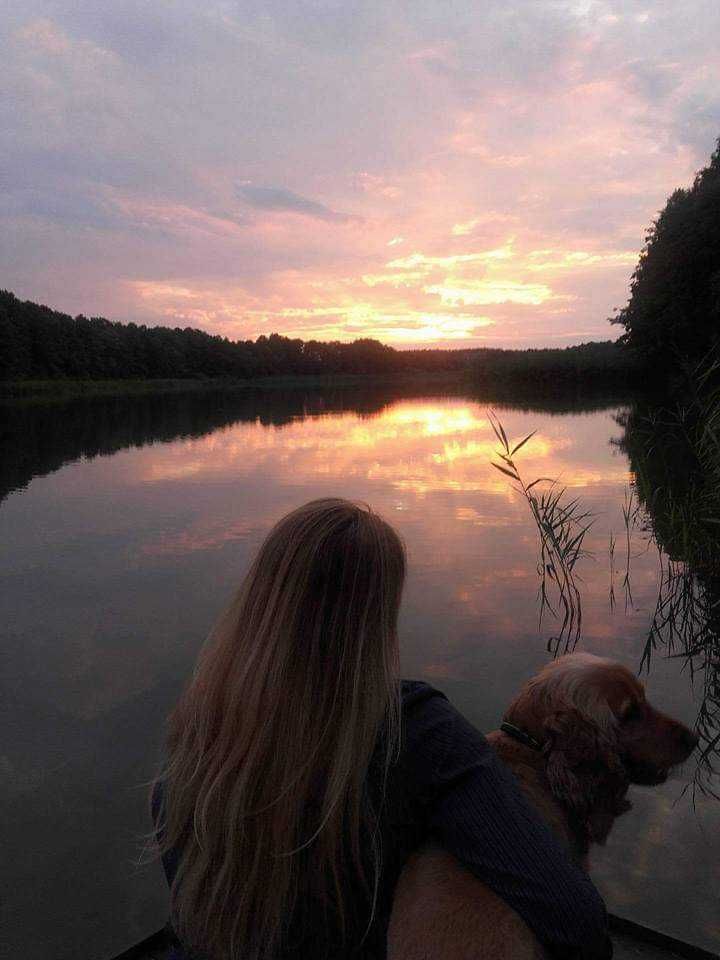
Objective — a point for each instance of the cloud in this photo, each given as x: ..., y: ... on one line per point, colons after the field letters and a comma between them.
x: 485, y: 292
x: 463, y: 229
x: 58, y: 207
x: 277, y: 198
x: 427, y: 263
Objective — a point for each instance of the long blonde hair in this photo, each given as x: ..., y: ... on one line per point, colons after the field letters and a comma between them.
x: 293, y: 696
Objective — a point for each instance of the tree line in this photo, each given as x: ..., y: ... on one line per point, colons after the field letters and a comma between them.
x: 39, y: 343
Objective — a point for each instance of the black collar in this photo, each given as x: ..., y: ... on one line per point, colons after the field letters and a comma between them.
x: 520, y: 735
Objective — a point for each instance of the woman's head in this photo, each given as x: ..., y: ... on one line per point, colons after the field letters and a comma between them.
x: 324, y: 592
x: 270, y: 746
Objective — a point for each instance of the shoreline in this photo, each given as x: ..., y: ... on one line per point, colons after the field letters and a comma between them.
x: 13, y: 390
x: 467, y: 379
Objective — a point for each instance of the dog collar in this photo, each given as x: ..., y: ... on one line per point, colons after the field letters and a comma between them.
x: 520, y: 735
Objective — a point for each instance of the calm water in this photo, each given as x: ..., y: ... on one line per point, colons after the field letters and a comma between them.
x: 125, y: 526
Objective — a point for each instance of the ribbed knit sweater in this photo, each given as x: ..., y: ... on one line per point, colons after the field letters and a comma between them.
x: 448, y: 784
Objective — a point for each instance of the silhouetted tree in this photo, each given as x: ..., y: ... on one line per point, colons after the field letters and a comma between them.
x: 673, y: 314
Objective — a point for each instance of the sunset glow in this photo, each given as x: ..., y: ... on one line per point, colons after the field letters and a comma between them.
x: 415, y: 447
x: 350, y: 170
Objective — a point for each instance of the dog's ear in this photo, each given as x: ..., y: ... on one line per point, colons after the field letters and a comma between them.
x: 585, y: 772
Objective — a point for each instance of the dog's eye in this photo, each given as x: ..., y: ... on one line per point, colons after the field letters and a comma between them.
x: 633, y: 712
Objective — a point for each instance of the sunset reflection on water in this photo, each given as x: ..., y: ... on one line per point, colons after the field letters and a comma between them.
x: 119, y: 564
x: 204, y: 504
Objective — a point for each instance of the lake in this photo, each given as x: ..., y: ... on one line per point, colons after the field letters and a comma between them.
x: 125, y: 526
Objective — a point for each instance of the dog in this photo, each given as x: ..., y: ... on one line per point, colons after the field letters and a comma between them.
x: 576, y: 736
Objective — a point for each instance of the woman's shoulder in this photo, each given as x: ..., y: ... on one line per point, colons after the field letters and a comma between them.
x: 433, y: 729
x: 422, y: 700
x: 418, y: 691
x: 440, y: 746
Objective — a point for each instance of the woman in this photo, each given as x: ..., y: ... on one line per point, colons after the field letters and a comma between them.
x: 301, y: 772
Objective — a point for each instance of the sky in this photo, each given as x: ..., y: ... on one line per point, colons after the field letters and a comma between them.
x: 439, y: 173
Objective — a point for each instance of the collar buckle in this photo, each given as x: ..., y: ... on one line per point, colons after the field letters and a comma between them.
x: 522, y: 736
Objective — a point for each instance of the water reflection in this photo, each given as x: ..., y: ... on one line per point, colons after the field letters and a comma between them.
x: 677, y: 483
x: 137, y: 526
x: 38, y: 438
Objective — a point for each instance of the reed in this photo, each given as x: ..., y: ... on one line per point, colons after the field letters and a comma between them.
x: 611, y: 555
x: 561, y: 525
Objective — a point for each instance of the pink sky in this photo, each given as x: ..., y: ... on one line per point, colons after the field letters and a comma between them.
x: 426, y: 173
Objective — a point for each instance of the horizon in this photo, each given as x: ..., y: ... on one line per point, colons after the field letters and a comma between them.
x: 337, y: 170
x: 402, y: 347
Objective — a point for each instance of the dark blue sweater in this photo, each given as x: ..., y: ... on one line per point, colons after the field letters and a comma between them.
x: 449, y: 784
